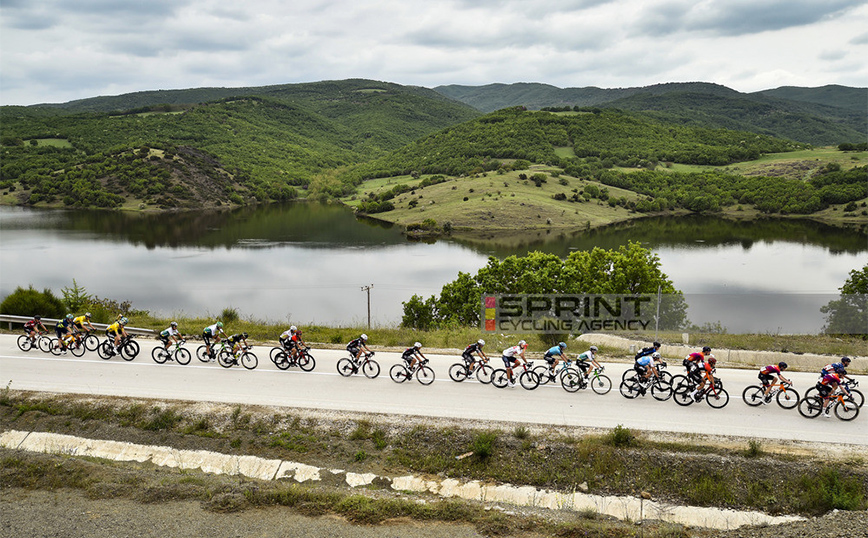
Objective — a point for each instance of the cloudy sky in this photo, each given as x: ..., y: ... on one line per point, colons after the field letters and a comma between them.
x: 60, y: 50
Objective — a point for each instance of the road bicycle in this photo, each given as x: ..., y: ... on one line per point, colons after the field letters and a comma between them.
x: 71, y: 342
x: 174, y: 352
x: 227, y: 358
x: 600, y: 383
x: 636, y: 385
x: 528, y: 379
x: 786, y: 396
x: 402, y: 372
x: 714, y: 393
x: 89, y: 339
x: 204, y: 355
x: 661, y: 372
x: 547, y: 375
x: 303, y: 359
x: 128, y: 348
x: 843, y: 406
x: 41, y: 341
x: 460, y: 371
x: 856, y: 394
x: 350, y: 365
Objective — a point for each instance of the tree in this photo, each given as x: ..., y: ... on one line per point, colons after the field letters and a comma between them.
x: 29, y: 302
x: 849, y: 314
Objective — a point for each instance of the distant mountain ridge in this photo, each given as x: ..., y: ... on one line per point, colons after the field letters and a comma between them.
x: 827, y: 115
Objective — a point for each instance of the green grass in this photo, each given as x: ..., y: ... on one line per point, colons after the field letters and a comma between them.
x: 53, y: 142
x: 800, y: 164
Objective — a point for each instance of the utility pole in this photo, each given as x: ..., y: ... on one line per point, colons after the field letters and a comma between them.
x: 368, y: 289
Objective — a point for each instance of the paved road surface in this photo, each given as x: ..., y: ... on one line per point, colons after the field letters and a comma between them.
x: 325, y: 389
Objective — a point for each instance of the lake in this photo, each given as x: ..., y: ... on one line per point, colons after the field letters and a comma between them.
x: 307, y: 263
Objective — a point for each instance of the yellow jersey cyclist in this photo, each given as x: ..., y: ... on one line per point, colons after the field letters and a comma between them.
x: 212, y: 332
x: 236, y: 340
x: 81, y: 321
x: 116, y: 330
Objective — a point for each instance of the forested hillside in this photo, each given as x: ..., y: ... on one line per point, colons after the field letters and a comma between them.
x: 829, y: 115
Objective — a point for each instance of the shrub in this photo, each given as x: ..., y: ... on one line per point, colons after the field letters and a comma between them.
x: 229, y: 315
x: 29, y: 302
x: 622, y: 437
x: 483, y: 445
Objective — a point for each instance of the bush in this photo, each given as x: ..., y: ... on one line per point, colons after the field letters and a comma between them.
x: 622, y: 437
x: 483, y: 445
x: 229, y: 315
x: 29, y: 302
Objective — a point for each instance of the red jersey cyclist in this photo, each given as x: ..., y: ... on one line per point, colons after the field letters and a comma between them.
x: 34, y: 325
x: 706, y: 370
x: 826, y: 386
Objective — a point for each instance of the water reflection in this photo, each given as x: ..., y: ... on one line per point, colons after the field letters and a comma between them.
x: 307, y: 262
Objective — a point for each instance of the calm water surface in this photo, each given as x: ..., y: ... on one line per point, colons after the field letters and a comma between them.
x: 306, y: 263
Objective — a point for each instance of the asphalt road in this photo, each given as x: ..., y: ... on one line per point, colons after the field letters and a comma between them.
x: 323, y: 388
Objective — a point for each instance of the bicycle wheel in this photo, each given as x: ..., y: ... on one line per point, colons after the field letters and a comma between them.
x: 857, y: 397
x: 24, y: 343
x: 666, y: 377
x: 601, y: 384
x: 544, y: 373
x: 55, y: 347
x: 249, y: 360
x: 274, y: 352
x: 458, y: 372
x: 717, y: 399
x: 681, y: 390
x: 529, y: 379
x: 847, y: 409
x: 571, y: 381
x: 399, y: 373
x: 345, y: 367
x: 425, y: 375
x: 753, y: 395
x: 105, y: 350
x: 629, y: 388
x: 483, y: 373
x: 281, y: 360
x: 202, y: 354
x: 160, y: 355
x: 788, y: 399
x: 128, y: 353
x: 225, y: 359
x: 306, y: 362
x: 630, y: 372
x: 91, y: 342
x: 499, y: 378
x: 77, y: 349
x: 811, y: 407
x: 371, y: 368
x: 661, y: 390
x: 182, y: 356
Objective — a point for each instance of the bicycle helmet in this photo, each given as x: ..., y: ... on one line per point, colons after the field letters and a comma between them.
x: 593, y: 348
x: 418, y: 345
x: 782, y: 365
x: 562, y: 345
x: 655, y: 356
x: 711, y: 360
x: 219, y: 324
x: 244, y: 336
x: 706, y: 349
x: 522, y: 343
x: 481, y: 342
x: 293, y: 328
x: 298, y: 331
x: 174, y: 324
x: 69, y: 316
x: 656, y: 344
x: 123, y: 321
x: 845, y: 360
x: 37, y: 317
x: 87, y: 315
x: 365, y: 337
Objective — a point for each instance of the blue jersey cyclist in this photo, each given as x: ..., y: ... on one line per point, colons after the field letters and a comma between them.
x: 61, y: 329
x: 837, y: 368
x: 555, y: 354
x: 645, y: 365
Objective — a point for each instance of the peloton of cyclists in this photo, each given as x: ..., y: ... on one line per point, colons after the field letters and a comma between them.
x: 355, y: 346
x: 467, y: 354
x: 34, y: 325
x: 767, y: 376
x: 511, y: 356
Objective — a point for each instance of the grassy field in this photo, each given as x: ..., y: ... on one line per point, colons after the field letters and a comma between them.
x: 796, y: 164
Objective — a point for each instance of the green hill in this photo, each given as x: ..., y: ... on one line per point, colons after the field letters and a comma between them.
x: 829, y: 115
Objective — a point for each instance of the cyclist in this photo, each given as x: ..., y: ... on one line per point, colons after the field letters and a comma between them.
x: 694, y: 363
x: 511, y: 356
x: 655, y: 347
x: 236, y: 340
x: 212, y: 331
x: 286, y: 338
x: 826, y: 386
x: 413, y: 355
x: 645, y: 366
x: 61, y: 329
x: 355, y: 346
x: 170, y: 334
x: 475, y: 347
x: 767, y: 375
x: 555, y: 354
x: 115, y: 331
x: 589, y: 355
x: 837, y: 367
x: 297, y: 343
x: 81, y: 321
x: 34, y: 325
x: 706, y: 370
